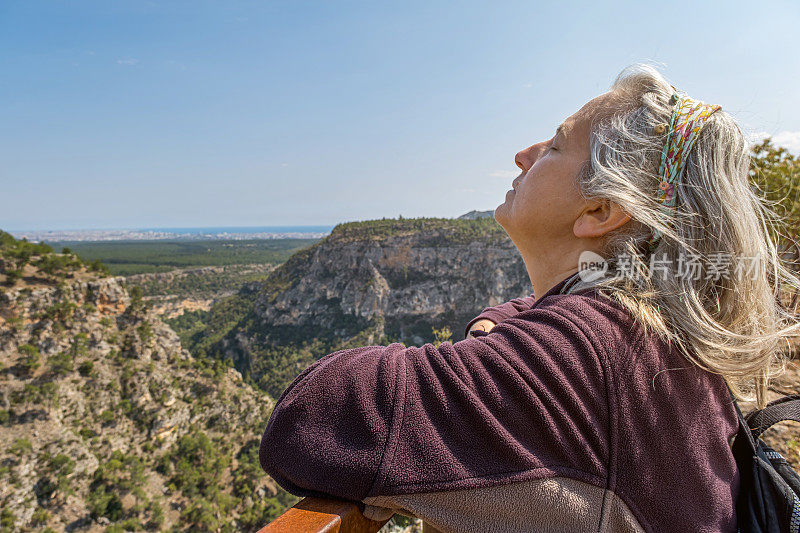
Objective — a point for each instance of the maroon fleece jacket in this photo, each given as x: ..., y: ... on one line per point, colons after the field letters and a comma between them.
x: 568, y: 386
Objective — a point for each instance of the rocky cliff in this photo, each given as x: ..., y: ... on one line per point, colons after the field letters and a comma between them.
x: 439, y: 273
x: 106, y: 421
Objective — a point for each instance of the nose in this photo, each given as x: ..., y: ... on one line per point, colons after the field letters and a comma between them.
x: 527, y: 157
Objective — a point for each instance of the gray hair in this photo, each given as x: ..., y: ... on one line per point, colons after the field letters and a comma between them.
x: 734, y: 325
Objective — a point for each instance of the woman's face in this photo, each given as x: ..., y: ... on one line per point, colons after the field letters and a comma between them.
x: 544, y: 203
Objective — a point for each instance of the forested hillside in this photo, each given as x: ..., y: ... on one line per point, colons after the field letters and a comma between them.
x: 108, y: 423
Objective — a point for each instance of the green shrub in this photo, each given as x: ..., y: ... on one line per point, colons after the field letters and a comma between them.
x: 61, y: 363
x: 62, y: 465
x: 145, y: 332
x: 201, y: 515
x: 54, y: 264
x: 7, y: 519
x: 15, y: 323
x: 40, y: 517
x: 60, y: 312
x: 28, y: 349
x: 116, y: 476
x: 248, y: 472
x: 12, y: 276
x: 125, y: 406
x: 198, y: 465
x: 48, y: 391
x: 137, y: 302
x: 130, y: 524
x: 106, y: 417
x: 30, y: 393
x: 98, y: 266
x: 85, y: 368
x: 21, y: 445
x: 79, y: 346
x: 30, y: 357
x: 261, y: 512
x: 156, y: 516
x: 103, y: 501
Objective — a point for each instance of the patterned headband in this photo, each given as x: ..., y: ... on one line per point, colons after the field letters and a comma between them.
x: 688, y: 117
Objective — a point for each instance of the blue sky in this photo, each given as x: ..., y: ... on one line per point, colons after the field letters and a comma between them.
x: 214, y: 113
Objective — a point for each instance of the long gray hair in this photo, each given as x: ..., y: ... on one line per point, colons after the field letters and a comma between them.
x: 730, y: 321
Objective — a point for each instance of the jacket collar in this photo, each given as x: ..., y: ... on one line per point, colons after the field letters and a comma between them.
x: 571, y: 284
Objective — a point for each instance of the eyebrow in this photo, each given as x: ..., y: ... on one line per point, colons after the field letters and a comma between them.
x: 560, y: 130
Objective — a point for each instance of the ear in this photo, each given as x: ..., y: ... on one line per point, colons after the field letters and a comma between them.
x: 599, y: 218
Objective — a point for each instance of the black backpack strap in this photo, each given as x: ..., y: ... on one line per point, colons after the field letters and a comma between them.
x: 744, y: 445
x: 786, y: 408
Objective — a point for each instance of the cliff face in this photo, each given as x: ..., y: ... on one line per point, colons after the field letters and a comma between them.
x: 106, y: 420
x: 376, y: 282
x: 405, y: 280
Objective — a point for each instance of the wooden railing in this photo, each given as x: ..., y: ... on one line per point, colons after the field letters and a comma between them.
x: 318, y: 515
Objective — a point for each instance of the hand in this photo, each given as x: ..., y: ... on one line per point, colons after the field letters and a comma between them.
x: 483, y: 325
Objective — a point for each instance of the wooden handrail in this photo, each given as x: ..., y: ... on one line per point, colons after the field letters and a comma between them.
x: 320, y: 515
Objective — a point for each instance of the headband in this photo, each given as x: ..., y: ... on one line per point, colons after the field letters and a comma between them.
x: 688, y: 117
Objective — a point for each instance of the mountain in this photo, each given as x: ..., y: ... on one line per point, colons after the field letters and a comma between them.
x: 477, y: 214
x: 107, y: 421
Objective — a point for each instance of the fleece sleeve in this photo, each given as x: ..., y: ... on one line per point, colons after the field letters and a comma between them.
x: 525, y: 401
x: 498, y: 313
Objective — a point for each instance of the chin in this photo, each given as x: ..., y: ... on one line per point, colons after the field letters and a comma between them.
x: 499, y: 213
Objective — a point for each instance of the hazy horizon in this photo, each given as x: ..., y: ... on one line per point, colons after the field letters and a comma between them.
x: 195, y: 229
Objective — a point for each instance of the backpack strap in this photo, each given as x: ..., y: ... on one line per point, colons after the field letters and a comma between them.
x: 786, y: 408
x: 744, y: 445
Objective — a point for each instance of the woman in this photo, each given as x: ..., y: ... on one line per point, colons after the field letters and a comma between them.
x: 602, y: 404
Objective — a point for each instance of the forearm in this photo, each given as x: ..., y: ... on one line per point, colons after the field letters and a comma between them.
x: 483, y: 324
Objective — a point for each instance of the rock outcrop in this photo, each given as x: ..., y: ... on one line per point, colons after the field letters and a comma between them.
x: 409, y: 280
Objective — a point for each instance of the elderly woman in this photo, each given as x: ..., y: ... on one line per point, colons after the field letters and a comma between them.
x: 601, y: 403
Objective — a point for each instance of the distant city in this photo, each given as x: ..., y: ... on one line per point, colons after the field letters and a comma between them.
x: 184, y: 234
